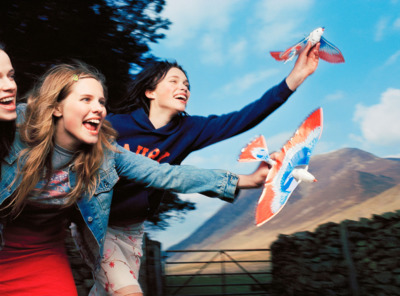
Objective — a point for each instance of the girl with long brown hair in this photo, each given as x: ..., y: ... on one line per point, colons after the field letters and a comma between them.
x: 62, y: 167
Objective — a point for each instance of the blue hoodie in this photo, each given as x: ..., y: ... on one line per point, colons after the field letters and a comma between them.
x: 173, y: 142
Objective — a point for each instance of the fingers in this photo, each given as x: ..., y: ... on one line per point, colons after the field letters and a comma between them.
x: 305, y: 51
x: 311, y: 49
x: 316, y: 50
x: 274, y: 155
x: 262, y: 173
x: 308, y: 46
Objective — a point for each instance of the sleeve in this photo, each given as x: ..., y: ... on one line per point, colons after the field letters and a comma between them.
x: 21, y: 110
x: 217, y: 128
x: 176, y: 178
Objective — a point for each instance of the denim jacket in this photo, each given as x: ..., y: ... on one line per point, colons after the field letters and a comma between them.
x: 94, y: 210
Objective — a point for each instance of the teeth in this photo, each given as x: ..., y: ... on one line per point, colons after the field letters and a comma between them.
x: 7, y: 100
x: 181, y: 97
x: 95, y: 121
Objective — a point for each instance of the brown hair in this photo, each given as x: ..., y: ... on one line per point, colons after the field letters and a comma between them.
x: 38, y: 132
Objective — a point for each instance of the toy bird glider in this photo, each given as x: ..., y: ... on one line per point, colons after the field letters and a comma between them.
x: 327, y: 51
x: 289, y: 165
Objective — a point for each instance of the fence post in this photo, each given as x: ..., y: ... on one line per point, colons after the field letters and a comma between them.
x: 223, y: 273
x: 151, y: 275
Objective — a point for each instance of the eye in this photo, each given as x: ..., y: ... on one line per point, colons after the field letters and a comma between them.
x: 86, y: 99
x: 11, y: 75
x: 102, y: 102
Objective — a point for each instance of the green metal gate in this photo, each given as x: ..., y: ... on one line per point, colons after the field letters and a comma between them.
x: 219, y: 272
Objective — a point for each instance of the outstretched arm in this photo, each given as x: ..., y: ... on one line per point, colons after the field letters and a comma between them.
x: 306, y: 64
x: 185, y: 178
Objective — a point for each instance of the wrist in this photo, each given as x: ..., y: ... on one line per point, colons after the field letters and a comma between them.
x: 244, y: 182
x: 240, y: 181
x: 294, y: 80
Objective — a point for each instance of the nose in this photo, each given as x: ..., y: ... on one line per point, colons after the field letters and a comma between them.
x: 184, y: 86
x: 8, y: 85
x: 98, y: 107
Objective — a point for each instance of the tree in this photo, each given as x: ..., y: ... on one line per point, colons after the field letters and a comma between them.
x: 110, y: 35
x: 113, y: 36
x: 171, y: 207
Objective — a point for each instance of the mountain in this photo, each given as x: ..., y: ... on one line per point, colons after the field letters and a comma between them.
x: 351, y: 184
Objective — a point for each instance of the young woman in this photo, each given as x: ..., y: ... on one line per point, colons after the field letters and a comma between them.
x: 8, y: 114
x: 154, y: 124
x: 63, y: 166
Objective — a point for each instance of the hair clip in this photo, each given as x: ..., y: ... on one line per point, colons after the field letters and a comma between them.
x: 75, y: 77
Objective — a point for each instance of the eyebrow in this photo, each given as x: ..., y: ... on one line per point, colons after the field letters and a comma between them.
x: 176, y: 76
x: 90, y: 95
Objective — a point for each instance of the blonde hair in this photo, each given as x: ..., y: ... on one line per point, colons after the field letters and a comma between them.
x: 38, y: 132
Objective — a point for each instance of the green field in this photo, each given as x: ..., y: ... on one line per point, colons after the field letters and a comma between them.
x: 213, y: 285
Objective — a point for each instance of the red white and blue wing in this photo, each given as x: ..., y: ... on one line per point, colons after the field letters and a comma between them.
x: 291, y: 52
x: 329, y: 52
x: 296, y: 152
x: 256, y: 150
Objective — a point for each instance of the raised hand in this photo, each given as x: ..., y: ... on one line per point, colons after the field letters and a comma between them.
x: 306, y: 64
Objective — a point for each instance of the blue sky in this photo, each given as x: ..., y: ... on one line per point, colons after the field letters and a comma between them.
x: 224, y: 47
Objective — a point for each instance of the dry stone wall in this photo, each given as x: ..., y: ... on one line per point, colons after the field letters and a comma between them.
x: 351, y: 258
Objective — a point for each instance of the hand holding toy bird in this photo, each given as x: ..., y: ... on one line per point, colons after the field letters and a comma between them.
x: 289, y: 165
x: 327, y: 51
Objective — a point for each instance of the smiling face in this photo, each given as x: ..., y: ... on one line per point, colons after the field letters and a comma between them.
x: 8, y: 89
x: 80, y: 115
x: 171, y: 94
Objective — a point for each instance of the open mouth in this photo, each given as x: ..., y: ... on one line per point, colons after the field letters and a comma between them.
x: 181, y: 98
x: 9, y: 102
x: 92, y: 125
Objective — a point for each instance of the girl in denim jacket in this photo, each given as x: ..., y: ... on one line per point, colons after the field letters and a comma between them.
x: 62, y: 167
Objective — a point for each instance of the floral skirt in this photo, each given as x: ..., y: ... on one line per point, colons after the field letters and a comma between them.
x: 121, y: 261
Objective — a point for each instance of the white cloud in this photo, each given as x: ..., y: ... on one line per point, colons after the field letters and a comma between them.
x: 212, y: 49
x: 244, y: 83
x: 392, y: 59
x: 192, y: 17
x: 273, y: 11
x: 380, y: 123
x: 208, y: 25
x: 278, y: 22
x: 380, y: 28
x: 237, y: 51
x: 214, y: 160
x: 276, y: 142
x: 323, y: 147
x: 334, y: 97
x: 392, y: 156
x: 284, y: 35
x: 396, y: 24
x: 205, y: 24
